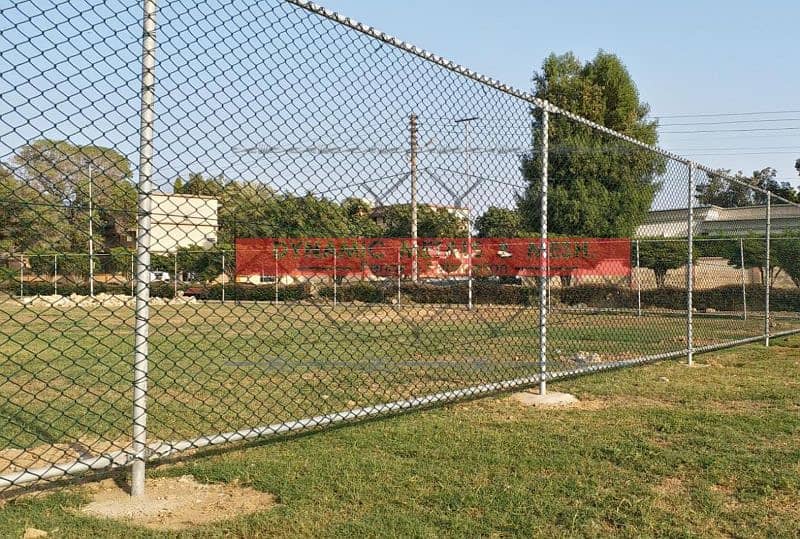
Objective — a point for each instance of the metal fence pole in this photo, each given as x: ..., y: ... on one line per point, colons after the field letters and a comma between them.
x: 744, y: 276
x: 224, y: 276
x: 413, y: 166
x: 638, y: 283
x: 277, y: 279
x: 767, y: 270
x: 469, y: 259
x: 335, y: 288
x: 690, y: 269
x: 55, y: 275
x: 142, y: 312
x: 544, y: 261
x: 133, y: 274
x: 21, y: 275
x: 91, y: 237
x: 175, y: 275
x: 399, y: 276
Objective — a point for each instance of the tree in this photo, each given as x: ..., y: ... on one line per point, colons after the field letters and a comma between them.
x: 119, y: 262
x: 254, y: 210
x: 432, y: 222
x: 499, y: 223
x: 27, y: 219
x: 662, y: 255
x: 206, y: 264
x: 766, y: 179
x: 199, y: 185
x: 754, y: 250
x: 720, y: 191
x: 786, y: 249
x: 57, y: 174
x: 599, y: 186
x: 359, y: 214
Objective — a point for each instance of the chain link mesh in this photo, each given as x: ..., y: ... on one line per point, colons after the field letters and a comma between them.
x: 340, y: 226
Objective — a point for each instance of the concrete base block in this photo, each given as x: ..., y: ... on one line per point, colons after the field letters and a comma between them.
x: 551, y: 399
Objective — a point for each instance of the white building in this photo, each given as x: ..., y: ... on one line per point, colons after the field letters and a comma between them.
x: 716, y: 221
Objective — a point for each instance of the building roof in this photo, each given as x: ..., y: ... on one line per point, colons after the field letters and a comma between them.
x: 717, y: 220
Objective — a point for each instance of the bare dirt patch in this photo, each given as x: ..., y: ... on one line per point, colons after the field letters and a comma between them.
x: 175, y: 503
x: 46, y: 455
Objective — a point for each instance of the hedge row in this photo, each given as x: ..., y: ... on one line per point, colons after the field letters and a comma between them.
x: 250, y: 292
x: 722, y: 298
x: 157, y: 290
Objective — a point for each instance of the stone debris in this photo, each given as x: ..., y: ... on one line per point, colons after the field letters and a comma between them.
x: 33, y: 533
x: 585, y: 358
x: 99, y: 300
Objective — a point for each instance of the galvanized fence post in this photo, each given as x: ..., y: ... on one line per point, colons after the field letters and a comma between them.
x: 744, y: 277
x: 767, y: 270
x: 413, y: 166
x: 277, y: 277
x: 335, y: 288
x: 638, y: 283
x: 690, y: 269
x: 399, y: 277
x: 224, y: 277
x: 142, y: 312
x: 544, y: 261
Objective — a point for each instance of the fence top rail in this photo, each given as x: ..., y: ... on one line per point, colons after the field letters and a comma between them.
x: 497, y: 85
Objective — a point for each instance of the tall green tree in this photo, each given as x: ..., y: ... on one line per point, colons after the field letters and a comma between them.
x: 499, y: 223
x: 719, y: 191
x: 599, y: 186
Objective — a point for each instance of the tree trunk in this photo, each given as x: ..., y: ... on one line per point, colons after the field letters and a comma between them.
x: 661, y: 277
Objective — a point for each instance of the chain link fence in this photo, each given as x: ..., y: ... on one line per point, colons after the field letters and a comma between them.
x: 263, y: 217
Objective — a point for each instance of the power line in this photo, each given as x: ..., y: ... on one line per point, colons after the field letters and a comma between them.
x: 720, y: 114
x: 734, y: 122
x: 737, y: 130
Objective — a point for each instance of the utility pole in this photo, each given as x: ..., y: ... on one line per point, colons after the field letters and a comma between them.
x: 91, y: 237
x: 413, y: 164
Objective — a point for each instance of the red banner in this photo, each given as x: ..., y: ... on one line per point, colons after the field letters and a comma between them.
x: 437, y: 257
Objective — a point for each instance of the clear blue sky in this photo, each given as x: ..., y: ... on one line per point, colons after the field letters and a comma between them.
x: 687, y: 57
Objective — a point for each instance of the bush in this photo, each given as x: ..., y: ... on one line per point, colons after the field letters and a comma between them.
x: 251, y: 292
x: 483, y: 292
x: 365, y: 292
x: 722, y: 298
x: 43, y: 288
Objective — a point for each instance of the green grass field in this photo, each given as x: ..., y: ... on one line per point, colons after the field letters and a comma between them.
x: 216, y: 368
x: 711, y: 452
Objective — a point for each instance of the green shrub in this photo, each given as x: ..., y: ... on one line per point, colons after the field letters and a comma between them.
x: 251, y: 292
x: 365, y: 292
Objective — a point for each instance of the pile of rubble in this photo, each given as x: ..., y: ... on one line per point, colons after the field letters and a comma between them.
x: 99, y: 300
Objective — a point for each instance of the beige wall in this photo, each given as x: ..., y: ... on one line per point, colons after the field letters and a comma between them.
x: 182, y: 221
